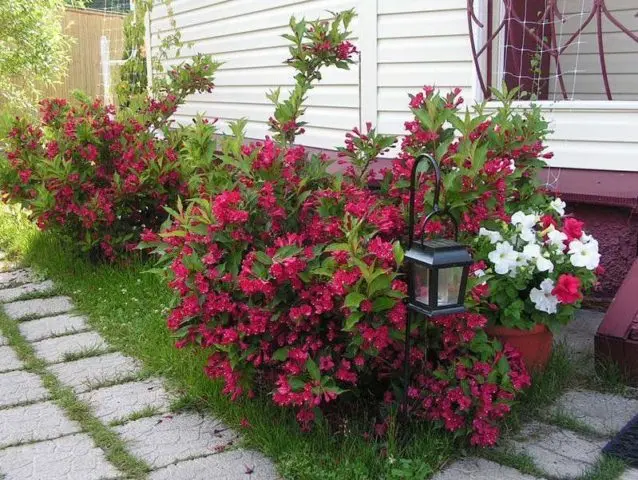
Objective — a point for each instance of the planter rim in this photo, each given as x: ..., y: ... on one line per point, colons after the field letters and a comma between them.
x: 515, y: 332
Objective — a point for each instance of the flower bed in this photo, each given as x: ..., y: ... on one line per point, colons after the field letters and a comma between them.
x: 290, y: 277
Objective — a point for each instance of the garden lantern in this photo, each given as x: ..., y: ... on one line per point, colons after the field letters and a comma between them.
x: 437, y: 276
x: 437, y: 269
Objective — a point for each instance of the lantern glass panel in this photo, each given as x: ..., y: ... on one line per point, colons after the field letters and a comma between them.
x: 449, y: 285
x: 421, y: 279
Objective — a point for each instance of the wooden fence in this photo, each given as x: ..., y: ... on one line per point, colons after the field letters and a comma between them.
x: 86, y: 27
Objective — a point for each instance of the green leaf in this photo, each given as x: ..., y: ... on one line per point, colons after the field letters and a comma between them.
x: 352, y: 321
x: 383, y: 303
x: 380, y: 283
x: 296, y: 383
x: 354, y: 299
x: 398, y: 252
x: 263, y: 258
x: 313, y: 369
x: 281, y: 354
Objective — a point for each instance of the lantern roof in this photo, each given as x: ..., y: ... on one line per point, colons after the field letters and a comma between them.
x: 439, y: 251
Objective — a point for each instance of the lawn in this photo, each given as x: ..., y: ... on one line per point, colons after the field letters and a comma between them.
x: 127, y: 305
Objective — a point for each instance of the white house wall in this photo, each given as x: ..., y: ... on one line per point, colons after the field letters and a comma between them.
x: 405, y: 45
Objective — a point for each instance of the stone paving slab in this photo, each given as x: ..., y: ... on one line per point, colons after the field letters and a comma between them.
x: 121, y: 401
x: 9, y: 360
x: 558, y: 452
x: 230, y: 465
x: 17, y: 277
x: 579, y: 334
x: 74, y: 457
x: 629, y: 474
x: 53, y: 350
x: 479, y: 469
x: 83, y: 375
x: 162, y: 440
x: 11, y: 294
x: 38, y: 307
x: 20, y: 387
x: 40, y: 421
x: 604, y: 412
x: 35, y: 330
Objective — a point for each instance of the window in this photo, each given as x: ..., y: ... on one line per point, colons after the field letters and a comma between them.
x: 557, y: 49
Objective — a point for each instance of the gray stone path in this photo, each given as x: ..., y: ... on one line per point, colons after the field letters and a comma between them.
x: 37, y: 439
x: 560, y: 453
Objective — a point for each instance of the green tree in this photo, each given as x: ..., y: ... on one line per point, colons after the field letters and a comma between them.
x: 33, y: 50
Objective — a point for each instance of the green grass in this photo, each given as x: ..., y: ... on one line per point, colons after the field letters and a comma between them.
x: 128, y: 307
x: 607, y: 468
x: 105, y: 438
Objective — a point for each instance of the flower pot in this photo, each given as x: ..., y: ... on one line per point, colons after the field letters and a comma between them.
x: 535, y: 345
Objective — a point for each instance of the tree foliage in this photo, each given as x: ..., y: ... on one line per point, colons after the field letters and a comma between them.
x: 33, y: 50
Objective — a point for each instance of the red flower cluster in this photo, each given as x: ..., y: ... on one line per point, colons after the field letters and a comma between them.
x: 473, y: 384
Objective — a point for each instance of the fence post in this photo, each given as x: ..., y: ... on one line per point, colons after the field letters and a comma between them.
x: 105, y: 59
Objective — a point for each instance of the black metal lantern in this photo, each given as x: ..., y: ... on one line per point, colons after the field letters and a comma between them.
x: 437, y: 269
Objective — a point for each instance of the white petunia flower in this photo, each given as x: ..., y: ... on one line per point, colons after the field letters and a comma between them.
x: 557, y: 239
x: 542, y: 297
x: 528, y: 235
x: 494, y: 236
x: 558, y: 205
x: 526, y: 222
x: 532, y: 253
x: 504, y: 257
x: 584, y: 254
x: 512, y: 165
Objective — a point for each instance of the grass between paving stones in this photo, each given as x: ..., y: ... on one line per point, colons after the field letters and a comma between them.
x: 128, y: 307
x: 103, y: 437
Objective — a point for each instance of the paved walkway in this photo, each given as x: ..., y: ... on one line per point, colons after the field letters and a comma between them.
x: 38, y: 440
x: 559, y: 452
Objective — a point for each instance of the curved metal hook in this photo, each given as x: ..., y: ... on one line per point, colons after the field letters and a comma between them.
x: 436, y: 209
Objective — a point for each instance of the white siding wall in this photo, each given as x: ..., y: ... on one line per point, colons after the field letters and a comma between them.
x: 246, y: 36
x: 406, y: 44
x: 420, y: 42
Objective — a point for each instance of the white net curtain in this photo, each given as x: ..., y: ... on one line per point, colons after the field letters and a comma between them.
x: 557, y: 49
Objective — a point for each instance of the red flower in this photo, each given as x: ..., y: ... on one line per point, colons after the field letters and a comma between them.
x: 573, y: 229
x: 567, y: 289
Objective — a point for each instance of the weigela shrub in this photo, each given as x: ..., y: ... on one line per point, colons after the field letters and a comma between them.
x: 488, y: 160
x: 535, y: 268
x: 291, y: 277
x: 99, y: 176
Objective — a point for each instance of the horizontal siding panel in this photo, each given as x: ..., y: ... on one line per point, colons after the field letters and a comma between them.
x: 423, y: 24
x: 574, y: 21
x: 221, y: 9
x: 281, y: 75
x: 392, y: 122
x: 407, y: 75
x: 593, y: 155
x: 608, y: 127
x: 246, y: 41
x: 583, y: 83
x: 618, y: 42
x: 321, y: 96
x: 424, y: 49
x: 590, y: 63
x: 408, y: 6
x: 210, y: 22
x: 328, y: 117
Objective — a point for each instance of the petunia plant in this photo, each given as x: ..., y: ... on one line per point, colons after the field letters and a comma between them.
x: 534, y: 269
